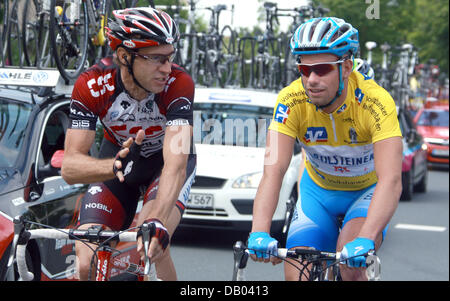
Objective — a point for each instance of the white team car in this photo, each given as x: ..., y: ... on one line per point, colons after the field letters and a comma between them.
x: 230, y: 128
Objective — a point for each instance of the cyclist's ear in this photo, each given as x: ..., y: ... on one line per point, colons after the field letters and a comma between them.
x: 347, y: 68
x: 122, y: 55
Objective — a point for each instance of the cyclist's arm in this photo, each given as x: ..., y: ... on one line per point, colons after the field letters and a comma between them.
x: 78, y: 166
x: 278, y: 155
x: 179, y: 98
x: 388, y: 166
x: 176, y: 149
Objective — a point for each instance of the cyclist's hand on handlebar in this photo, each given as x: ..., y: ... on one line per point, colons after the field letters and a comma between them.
x: 261, y: 245
x: 127, y: 158
x: 159, y: 240
x: 360, y: 245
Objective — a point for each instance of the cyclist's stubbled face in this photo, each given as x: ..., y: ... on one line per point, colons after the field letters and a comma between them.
x: 321, y: 89
x: 150, y: 72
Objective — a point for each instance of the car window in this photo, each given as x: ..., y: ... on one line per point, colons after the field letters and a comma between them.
x: 433, y: 118
x: 14, y: 118
x: 231, y: 124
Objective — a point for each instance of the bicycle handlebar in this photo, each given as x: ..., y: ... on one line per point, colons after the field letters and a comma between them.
x: 241, y: 254
x: 22, y: 237
x: 286, y: 253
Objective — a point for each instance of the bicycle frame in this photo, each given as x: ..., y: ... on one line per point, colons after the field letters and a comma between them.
x: 103, y: 264
x: 106, y: 262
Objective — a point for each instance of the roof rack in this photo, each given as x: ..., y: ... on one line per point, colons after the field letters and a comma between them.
x: 44, y: 78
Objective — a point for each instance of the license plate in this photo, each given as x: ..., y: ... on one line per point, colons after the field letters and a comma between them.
x: 440, y: 152
x: 200, y: 200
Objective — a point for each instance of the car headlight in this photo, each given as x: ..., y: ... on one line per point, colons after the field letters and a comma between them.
x: 248, y: 181
x: 434, y: 140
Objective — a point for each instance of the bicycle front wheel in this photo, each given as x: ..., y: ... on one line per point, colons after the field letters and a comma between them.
x: 246, y: 55
x: 13, y: 46
x: 227, y: 59
x: 69, y: 37
x: 36, y: 35
x: 4, y: 19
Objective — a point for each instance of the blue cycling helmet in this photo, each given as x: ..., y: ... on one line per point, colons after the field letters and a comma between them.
x: 325, y: 35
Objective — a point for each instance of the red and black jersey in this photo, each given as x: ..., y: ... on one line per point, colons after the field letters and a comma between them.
x: 99, y: 93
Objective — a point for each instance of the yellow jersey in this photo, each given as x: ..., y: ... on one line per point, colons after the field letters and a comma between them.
x: 339, y: 145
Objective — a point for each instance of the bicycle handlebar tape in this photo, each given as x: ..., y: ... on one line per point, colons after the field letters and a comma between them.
x: 129, y: 164
x: 22, y: 267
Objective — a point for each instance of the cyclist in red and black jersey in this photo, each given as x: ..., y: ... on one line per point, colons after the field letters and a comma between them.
x: 144, y: 102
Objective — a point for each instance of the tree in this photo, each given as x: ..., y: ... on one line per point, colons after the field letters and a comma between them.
x: 430, y: 34
x: 423, y: 23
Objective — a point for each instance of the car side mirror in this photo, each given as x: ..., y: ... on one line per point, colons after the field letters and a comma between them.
x: 57, y: 158
x: 53, y: 168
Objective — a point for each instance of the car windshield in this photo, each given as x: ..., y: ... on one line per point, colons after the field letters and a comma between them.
x: 231, y: 124
x: 433, y: 118
x: 14, y: 118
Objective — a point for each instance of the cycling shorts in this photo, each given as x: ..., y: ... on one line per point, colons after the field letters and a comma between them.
x: 318, y: 212
x: 113, y: 204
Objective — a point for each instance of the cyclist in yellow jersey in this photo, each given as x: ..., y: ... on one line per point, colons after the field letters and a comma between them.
x: 348, y: 128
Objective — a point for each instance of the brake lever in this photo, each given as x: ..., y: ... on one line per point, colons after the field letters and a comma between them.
x: 241, y: 255
x: 373, y: 263
x: 145, y: 228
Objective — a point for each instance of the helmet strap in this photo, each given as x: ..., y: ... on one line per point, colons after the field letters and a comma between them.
x: 130, y: 70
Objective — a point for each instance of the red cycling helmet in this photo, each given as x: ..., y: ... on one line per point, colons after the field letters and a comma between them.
x: 140, y: 27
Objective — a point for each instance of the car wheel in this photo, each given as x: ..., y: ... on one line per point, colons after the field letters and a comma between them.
x: 408, y: 185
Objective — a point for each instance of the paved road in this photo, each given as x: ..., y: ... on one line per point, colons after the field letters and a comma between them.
x: 417, y: 247
x: 411, y: 251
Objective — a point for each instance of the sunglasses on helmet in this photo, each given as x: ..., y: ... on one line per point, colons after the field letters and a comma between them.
x: 321, y: 69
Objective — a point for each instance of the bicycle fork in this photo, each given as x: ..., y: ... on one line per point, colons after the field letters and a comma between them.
x: 103, y: 263
x: 98, y: 38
